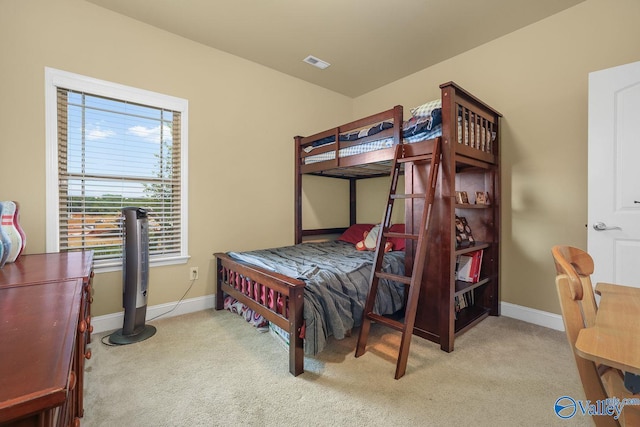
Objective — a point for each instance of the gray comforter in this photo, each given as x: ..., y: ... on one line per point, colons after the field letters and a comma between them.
x: 337, y: 282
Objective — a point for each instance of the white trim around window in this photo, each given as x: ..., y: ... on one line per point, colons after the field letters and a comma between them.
x: 55, y: 79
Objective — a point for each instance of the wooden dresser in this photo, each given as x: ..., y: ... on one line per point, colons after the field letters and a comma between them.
x: 45, y: 329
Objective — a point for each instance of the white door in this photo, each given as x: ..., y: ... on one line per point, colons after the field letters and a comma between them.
x: 614, y: 174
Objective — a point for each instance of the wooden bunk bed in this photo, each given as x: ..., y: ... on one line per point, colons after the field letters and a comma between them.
x: 469, y: 132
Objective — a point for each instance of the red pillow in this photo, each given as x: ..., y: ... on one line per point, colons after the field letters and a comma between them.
x: 398, y: 244
x: 355, y: 233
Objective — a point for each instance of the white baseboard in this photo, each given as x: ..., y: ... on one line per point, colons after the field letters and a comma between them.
x: 113, y: 321
x: 531, y: 315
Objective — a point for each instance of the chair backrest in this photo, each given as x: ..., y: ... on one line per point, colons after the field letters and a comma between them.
x: 578, y: 266
x: 570, y: 293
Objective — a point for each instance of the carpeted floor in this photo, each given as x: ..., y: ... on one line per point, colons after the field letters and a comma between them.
x: 213, y: 369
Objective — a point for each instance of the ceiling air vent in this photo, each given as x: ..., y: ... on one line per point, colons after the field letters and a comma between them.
x: 316, y: 62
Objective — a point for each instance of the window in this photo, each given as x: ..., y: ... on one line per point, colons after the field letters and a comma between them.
x: 110, y: 146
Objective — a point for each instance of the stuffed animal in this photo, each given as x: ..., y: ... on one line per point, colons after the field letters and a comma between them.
x: 370, y: 239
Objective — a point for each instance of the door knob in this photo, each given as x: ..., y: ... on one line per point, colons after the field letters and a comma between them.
x: 601, y: 226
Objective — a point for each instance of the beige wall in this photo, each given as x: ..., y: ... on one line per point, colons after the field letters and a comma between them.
x: 537, y: 78
x: 236, y: 109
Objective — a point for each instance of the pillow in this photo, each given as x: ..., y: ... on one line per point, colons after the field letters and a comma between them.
x: 398, y: 244
x: 425, y: 109
x: 355, y: 233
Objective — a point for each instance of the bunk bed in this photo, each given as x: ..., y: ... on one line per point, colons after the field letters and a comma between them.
x: 364, y: 148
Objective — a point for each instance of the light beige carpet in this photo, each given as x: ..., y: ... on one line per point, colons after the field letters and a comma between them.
x: 213, y: 369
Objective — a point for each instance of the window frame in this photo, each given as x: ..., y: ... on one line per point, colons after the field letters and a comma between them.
x: 57, y: 78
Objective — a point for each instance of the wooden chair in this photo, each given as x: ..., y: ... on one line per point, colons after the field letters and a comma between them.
x: 570, y: 293
x: 578, y: 305
x: 578, y: 266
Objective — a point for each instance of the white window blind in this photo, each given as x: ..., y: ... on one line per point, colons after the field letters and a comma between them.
x: 113, y: 153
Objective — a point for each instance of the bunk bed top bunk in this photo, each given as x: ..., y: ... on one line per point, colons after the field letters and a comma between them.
x: 363, y: 148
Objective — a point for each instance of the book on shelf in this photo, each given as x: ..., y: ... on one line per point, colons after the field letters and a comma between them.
x: 469, y: 266
x: 463, y: 301
x: 460, y: 302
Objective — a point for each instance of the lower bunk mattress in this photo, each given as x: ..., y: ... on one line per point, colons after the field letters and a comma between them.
x: 336, y: 277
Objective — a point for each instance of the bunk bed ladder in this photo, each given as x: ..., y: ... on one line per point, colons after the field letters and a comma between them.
x: 403, y: 154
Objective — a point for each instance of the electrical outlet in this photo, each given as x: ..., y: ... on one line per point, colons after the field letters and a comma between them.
x: 193, y: 273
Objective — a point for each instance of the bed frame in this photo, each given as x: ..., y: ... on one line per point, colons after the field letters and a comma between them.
x: 279, y: 298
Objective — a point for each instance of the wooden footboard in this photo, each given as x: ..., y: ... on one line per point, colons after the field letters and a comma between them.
x: 278, y: 298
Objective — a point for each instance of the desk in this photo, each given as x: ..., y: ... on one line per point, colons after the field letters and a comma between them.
x: 615, y: 339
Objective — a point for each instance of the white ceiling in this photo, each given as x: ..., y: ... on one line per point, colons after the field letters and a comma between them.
x: 369, y: 43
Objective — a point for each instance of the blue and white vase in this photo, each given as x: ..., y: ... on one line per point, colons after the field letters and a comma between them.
x: 8, y: 226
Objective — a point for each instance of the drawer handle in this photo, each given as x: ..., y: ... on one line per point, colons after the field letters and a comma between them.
x: 87, y: 355
x: 82, y: 326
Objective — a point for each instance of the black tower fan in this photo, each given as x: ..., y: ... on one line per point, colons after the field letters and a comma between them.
x: 135, y: 278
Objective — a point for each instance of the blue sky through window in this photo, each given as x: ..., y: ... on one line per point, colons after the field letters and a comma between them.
x: 109, y: 140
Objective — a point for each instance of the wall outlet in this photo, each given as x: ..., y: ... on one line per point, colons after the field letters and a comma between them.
x: 193, y: 273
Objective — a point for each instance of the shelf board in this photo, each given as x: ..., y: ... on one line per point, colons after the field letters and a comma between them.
x: 477, y: 246
x: 470, y: 316
x: 462, y: 287
x: 471, y: 206
x: 464, y: 163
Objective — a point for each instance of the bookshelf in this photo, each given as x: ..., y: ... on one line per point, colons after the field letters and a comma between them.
x: 463, y: 175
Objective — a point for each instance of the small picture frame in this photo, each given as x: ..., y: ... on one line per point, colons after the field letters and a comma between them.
x: 482, y: 198
x: 462, y: 197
